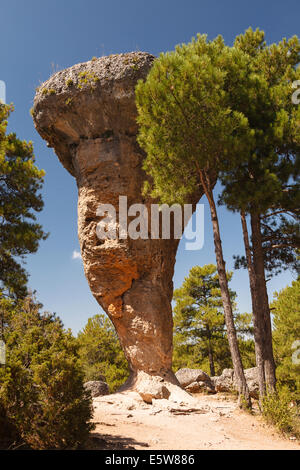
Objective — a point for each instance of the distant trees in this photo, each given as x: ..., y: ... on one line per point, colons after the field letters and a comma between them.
x: 188, y: 129
x: 198, y: 311
x: 42, y: 400
x: 199, y: 326
x: 20, y: 182
x: 101, y: 353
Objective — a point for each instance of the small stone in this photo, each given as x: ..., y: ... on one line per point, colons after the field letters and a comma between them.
x: 149, y: 391
x: 97, y: 388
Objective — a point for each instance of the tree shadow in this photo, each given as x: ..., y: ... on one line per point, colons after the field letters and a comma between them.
x: 108, y: 442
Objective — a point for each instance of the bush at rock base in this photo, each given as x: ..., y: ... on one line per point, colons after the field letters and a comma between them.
x: 41, y: 387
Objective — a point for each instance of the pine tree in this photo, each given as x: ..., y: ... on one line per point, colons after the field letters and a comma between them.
x: 187, y: 130
x: 20, y: 183
x: 265, y: 178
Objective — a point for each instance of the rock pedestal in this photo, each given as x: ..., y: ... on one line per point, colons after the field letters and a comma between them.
x: 87, y: 114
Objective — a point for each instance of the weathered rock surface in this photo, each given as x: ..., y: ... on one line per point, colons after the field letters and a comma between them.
x: 186, y: 376
x: 252, y: 381
x: 87, y: 113
x: 152, y: 388
x: 97, y: 388
x: 226, y: 381
x: 223, y: 382
x: 195, y: 380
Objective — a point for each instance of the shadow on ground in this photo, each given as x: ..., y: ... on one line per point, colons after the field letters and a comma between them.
x: 108, y: 442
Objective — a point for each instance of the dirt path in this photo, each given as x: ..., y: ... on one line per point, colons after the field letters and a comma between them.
x: 125, y: 422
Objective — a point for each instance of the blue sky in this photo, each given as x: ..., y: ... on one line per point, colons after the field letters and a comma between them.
x: 39, y: 37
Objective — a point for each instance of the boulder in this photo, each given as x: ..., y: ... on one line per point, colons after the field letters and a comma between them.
x: 152, y: 388
x: 252, y: 381
x: 226, y: 381
x: 97, y: 388
x: 223, y: 382
x: 187, y: 376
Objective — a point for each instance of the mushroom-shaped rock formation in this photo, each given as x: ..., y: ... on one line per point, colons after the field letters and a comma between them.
x: 87, y: 113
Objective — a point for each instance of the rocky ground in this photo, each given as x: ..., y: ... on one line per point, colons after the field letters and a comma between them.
x: 212, y: 422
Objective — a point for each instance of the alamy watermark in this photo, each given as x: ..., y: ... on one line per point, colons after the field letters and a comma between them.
x: 2, y: 92
x: 163, y: 222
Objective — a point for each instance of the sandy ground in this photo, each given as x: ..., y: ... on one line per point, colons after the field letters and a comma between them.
x: 124, y: 421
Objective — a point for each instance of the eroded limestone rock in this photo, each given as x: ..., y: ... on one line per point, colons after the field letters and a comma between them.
x: 195, y: 380
x: 226, y: 382
x: 87, y: 114
x: 187, y: 376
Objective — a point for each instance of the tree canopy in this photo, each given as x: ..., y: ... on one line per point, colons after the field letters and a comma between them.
x: 20, y: 198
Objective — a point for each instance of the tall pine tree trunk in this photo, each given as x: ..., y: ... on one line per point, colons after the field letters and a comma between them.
x: 258, y: 318
x: 228, y: 314
x: 263, y: 301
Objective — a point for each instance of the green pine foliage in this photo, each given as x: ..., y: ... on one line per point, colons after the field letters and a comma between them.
x: 286, y: 314
x: 101, y: 353
x: 42, y: 399
x: 283, y: 409
x: 190, y: 133
x: 207, y: 110
x: 265, y: 179
x: 185, y: 118
x: 263, y: 95
x: 20, y: 183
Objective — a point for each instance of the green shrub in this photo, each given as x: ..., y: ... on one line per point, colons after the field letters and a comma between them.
x: 282, y: 411
x: 41, y: 386
x: 9, y: 434
x: 286, y: 314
